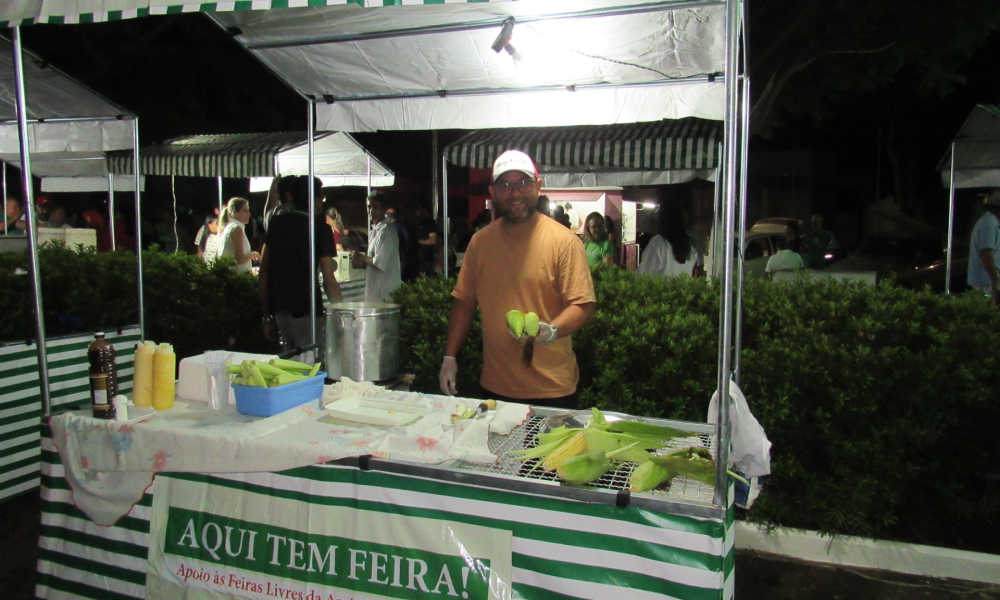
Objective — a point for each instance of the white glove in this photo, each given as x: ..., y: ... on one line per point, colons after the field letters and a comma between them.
x: 449, y: 371
x: 546, y: 334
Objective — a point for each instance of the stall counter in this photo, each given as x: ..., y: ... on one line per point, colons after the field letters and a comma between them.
x: 369, y: 528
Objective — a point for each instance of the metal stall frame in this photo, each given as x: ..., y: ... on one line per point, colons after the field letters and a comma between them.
x: 731, y: 29
x: 32, y: 233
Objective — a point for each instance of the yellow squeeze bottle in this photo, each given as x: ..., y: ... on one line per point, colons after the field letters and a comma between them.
x: 142, y: 382
x: 164, y: 369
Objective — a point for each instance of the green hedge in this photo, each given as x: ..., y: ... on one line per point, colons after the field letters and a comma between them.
x: 187, y: 303
x: 881, y: 402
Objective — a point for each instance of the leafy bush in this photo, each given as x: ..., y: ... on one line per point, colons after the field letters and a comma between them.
x: 880, y: 401
x: 194, y: 306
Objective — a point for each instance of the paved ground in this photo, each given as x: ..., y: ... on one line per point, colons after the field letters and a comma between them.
x: 758, y: 576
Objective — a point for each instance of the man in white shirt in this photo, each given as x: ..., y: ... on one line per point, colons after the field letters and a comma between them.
x: 784, y: 259
x: 984, y: 250
x: 382, y: 260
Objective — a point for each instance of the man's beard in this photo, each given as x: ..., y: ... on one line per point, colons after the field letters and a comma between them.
x: 508, y: 215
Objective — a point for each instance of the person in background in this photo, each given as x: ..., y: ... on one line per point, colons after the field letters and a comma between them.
x: 336, y: 223
x: 382, y: 260
x: 599, y: 248
x: 276, y: 204
x: 286, y: 272
x: 427, y: 239
x: 573, y: 216
x: 15, y: 223
x: 673, y: 250
x: 527, y: 262
x: 123, y: 240
x: 43, y: 210
x: 784, y: 259
x: 793, y: 237
x: 233, y: 239
x: 983, y: 272
x: 559, y: 214
x: 59, y: 219
x: 207, y: 239
x: 408, y: 248
x: 544, y: 208
x: 814, y: 244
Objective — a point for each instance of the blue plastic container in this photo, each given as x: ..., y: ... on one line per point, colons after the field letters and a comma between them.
x: 264, y: 402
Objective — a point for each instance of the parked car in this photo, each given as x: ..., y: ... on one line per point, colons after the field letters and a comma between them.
x: 760, y: 244
x: 916, y: 260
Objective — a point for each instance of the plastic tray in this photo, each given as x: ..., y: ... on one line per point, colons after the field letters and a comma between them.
x: 265, y: 402
x: 373, y: 411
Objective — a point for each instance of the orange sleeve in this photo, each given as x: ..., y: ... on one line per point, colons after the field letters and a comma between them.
x: 575, y: 283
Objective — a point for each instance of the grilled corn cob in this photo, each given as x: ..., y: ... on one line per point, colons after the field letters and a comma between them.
x: 568, y: 448
x: 515, y: 323
x: 589, y: 466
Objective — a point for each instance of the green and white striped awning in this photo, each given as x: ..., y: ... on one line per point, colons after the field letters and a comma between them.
x: 256, y: 155
x: 630, y: 154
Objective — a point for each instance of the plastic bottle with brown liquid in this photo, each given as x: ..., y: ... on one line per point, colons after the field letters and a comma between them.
x: 103, y: 376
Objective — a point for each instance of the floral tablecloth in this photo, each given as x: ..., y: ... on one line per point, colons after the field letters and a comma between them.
x: 110, y: 464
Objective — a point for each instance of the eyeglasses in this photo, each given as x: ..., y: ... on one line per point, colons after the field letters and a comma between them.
x: 504, y: 188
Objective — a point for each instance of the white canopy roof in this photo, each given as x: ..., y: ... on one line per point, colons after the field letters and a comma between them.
x: 977, y: 150
x: 80, y: 126
x: 431, y: 66
x: 339, y: 158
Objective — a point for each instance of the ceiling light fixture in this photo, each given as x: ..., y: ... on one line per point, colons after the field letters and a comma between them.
x: 503, y: 40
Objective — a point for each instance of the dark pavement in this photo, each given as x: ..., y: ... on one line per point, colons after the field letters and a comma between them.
x: 758, y: 576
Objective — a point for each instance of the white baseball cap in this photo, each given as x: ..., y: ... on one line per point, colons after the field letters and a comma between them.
x: 514, y: 160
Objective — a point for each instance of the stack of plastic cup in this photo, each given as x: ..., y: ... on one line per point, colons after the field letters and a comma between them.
x: 218, y: 379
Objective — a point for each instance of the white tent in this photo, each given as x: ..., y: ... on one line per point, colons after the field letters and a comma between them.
x: 339, y: 159
x: 977, y: 150
x: 481, y: 65
x: 71, y: 127
x: 972, y: 160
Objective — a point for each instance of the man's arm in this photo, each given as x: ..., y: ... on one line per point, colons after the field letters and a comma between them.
x: 573, y: 318
x: 986, y: 256
x: 263, y: 276
x: 430, y: 240
x: 330, y: 284
x: 459, y: 324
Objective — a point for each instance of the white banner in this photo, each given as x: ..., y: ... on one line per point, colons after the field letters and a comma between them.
x: 213, y: 542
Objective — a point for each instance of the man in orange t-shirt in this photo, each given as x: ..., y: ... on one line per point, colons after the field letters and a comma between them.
x: 528, y: 262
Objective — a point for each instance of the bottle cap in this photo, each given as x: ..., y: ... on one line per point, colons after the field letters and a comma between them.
x: 99, y: 334
x: 164, y: 348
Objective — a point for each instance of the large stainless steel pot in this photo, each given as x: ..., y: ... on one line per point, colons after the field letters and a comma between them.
x: 362, y: 340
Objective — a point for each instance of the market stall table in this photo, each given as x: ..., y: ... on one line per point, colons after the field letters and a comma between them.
x: 405, y: 513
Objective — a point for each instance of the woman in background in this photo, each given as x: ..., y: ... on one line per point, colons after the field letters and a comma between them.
x: 207, y: 239
x: 233, y: 239
x: 672, y: 251
x: 595, y: 241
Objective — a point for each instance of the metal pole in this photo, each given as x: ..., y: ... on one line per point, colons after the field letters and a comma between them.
x: 222, y: 200
x: 311, y: 120
x: 444, y: 227
x: 951, y: 224
x: 138, y: 226
x: 722, y: 432
x: 717, y: 217
x: 740, y: 274
x: 29, y: 206
x: 435, y: 177
x: 111, y: 209
x: 4, y: 176
x: 368, y: 159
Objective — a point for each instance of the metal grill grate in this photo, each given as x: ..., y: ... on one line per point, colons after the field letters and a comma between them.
x: 525, y: 436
